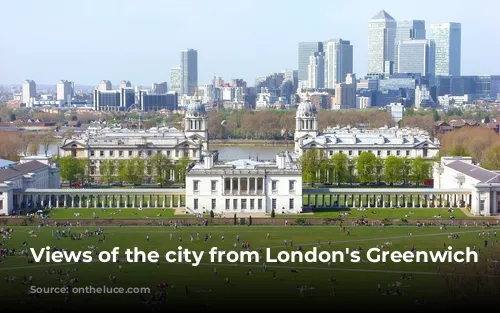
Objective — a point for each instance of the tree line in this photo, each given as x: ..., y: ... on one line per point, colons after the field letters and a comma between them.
x: 158, y: 169
x: 317, y: 168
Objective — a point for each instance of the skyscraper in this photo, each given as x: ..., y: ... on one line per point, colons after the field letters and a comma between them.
x: 381, y: 42
x: 338, y: 61
x: 447, y: 37
x: 416, y: 56
x: 64, y: 91
x: 29, y: 92
x: 412, y: 29
x: 189, y: 69
x: 176, y: 79
x: 316, y: 71
x: 306, y: 49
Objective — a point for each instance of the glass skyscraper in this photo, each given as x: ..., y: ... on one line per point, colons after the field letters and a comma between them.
x: 189, y: 69
x: 306, y: 49
x: 416, y: 56
x: 412, y: 29
x: 447, y: 37
x: 381, y: 42
x: 338, y: 61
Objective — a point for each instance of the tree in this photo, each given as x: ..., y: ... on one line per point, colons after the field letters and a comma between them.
x: 212, y: 214
x: 71, y: 169
x: 24, y: 143
x: 405, y: 169
x: 379, y: 169
x: 393, y: 169
x: 340, y: 163
x: 121, y: 167
x: 107, y: 169
x: 33, y: 144
x: 312, y: 162
x: 46, y: 141
x: 366, y: 167
x: 492, y: 159
x: 181, y: 168
x: 273, y: 214
x: 420, y: 170
x: 135, y: 171
x: 459, y: 150
x: 160, y: 164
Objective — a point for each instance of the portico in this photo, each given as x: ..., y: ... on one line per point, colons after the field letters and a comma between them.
x: 99, y: 198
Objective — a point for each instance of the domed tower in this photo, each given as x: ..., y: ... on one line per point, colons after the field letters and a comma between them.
x: 306, y: 121
x: 196, y: 122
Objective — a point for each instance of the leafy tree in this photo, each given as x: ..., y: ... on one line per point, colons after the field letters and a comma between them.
x: 492, y: 158
x: 436, y: 115
x: 340, y: 163
x: 71, y: 169
x: 312, y: 162
x: 405, y: 169
x: 393, y: 169
x: 181, y: 169
x: 107, y: 169
x: 366, y: 167
x: 161, y: 166
x: 351, y: 169
x: 459, y: 150
x: 379, y: 169
x: 121, y: 167
x: 420, y: 170
x: 135, y: 171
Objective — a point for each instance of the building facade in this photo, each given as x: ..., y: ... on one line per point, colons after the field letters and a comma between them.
x: 306, y: 49
x: 416, y: 56
x: 189, y: 68
x: 29, y: 92
x: 484, y: 185
x: 34, y: 172
x: 64, y: 91
x: 447, y: 38
x: 245, y: 186
x: 407, y: 30
x: 381, y: 42
x: 382, y: 142
x: 107, y: 143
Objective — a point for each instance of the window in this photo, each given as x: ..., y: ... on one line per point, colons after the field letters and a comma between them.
x: 379, y: 153
x: 150, y: 152
x: 196, y: 185
x: 228, y: 204
x: 388, y: 152
x: 359, y: 152
x: 274, y: 185
x: 291, y: 185
x: 213, y: 185
x: 259, y: 204
x: 120, y: 154
x: 350, y: 152
x: 235, y: 204
x: 111, y: 153
x: 273, y: 204
x: 130, y: 153
x: 92, y: 152
x: 140, y: 153
x: 252, y: 204
x: 398, y: 152
x: 243, y: 204
x: 168, y: 152
x: 101, y: 153
x: 214, y: 204
x: 291, y: 203
x: 196, y: 204
x: 407, y: 152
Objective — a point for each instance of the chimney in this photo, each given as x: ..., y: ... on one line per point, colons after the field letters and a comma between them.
x: 208, y: 158
x: 281, y: 160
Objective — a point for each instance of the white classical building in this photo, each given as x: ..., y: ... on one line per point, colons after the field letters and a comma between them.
x: 115, y: 143
x: 484, y: 185
x: 35, y: 172
x: 382, y: 142
x: 245, y: 186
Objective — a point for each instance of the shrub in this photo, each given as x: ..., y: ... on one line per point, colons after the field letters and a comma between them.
x: 212, y: 213
x: 273, y: 214
x: 234, y: 219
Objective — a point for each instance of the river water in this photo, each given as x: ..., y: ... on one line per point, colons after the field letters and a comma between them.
x: 228, y: 152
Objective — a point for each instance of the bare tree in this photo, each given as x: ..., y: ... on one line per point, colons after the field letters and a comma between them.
x: 46, y: 140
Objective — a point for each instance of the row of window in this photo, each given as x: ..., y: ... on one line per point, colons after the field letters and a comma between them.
x: 140, y: 153
x: 244, y: 204
x: 377, y: 153
x: 274, y: 185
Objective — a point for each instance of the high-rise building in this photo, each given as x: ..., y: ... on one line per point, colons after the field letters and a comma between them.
x: 64, y: 91
x: 412, y: 29
x: 125, y: 84
x: 105, y: 85
x: 416, y: 56
x: 29, y: 92
x: 189, y: 66
x: 306, y: 49
x: 316, y: 71
x: 176, y: 79
x: 447, y: 37
x: 381, y: 42
x: 159, y: 88
x: 338, y: 61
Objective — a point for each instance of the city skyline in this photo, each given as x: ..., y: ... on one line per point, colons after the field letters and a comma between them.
x: 230, y: 53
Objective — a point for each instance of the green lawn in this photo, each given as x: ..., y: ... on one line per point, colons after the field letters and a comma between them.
x: 208, y: 290
x: 418, y: 213
x: 110, y: 213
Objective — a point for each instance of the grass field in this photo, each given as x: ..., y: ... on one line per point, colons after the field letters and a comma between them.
x: 206, y: 290
x: 421, y: 213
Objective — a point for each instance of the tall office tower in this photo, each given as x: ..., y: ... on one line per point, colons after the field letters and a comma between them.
x: 338, y: 61
x: 176, y: 79
x: 29, y: 92
x: 447, y: 37
x: 189, y: 66
x: 218, y: 82
x: 125, y: 84
x: 412, y: 29
x: 416, y: 56
x: 64, y: 91
x: 306, y: 49
x: 105, y: 85
x: 381, y: 40
x: 316, y: 71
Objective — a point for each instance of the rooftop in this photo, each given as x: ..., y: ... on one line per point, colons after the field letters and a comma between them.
x: 20, y: 169
x: 383, y: 15
x: 475, y: 172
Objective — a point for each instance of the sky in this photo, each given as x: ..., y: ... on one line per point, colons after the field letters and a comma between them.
x: 86, y: 41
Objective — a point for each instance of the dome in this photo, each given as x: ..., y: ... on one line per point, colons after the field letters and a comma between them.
x: 196, y: 106
x: 306, y: 106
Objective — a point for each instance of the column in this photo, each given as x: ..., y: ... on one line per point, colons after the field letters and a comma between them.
x: 140, y: 200
x: 239, y: 185
x: 360, y: 197
x: 179, y: 201
x: 149, y: 201
x: 65, y: 200
x: 164, y: 204
x: 308, y: 200
x: 96, y: 201
x: 231, y: 186
x: 368, y: 200
x: 50, y: 202
x: 331, y: 200
x: 248, y: 186
x: 172, y: 201
x: 80, y: 201
x: 256, y: 182
x: 133, y: 201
